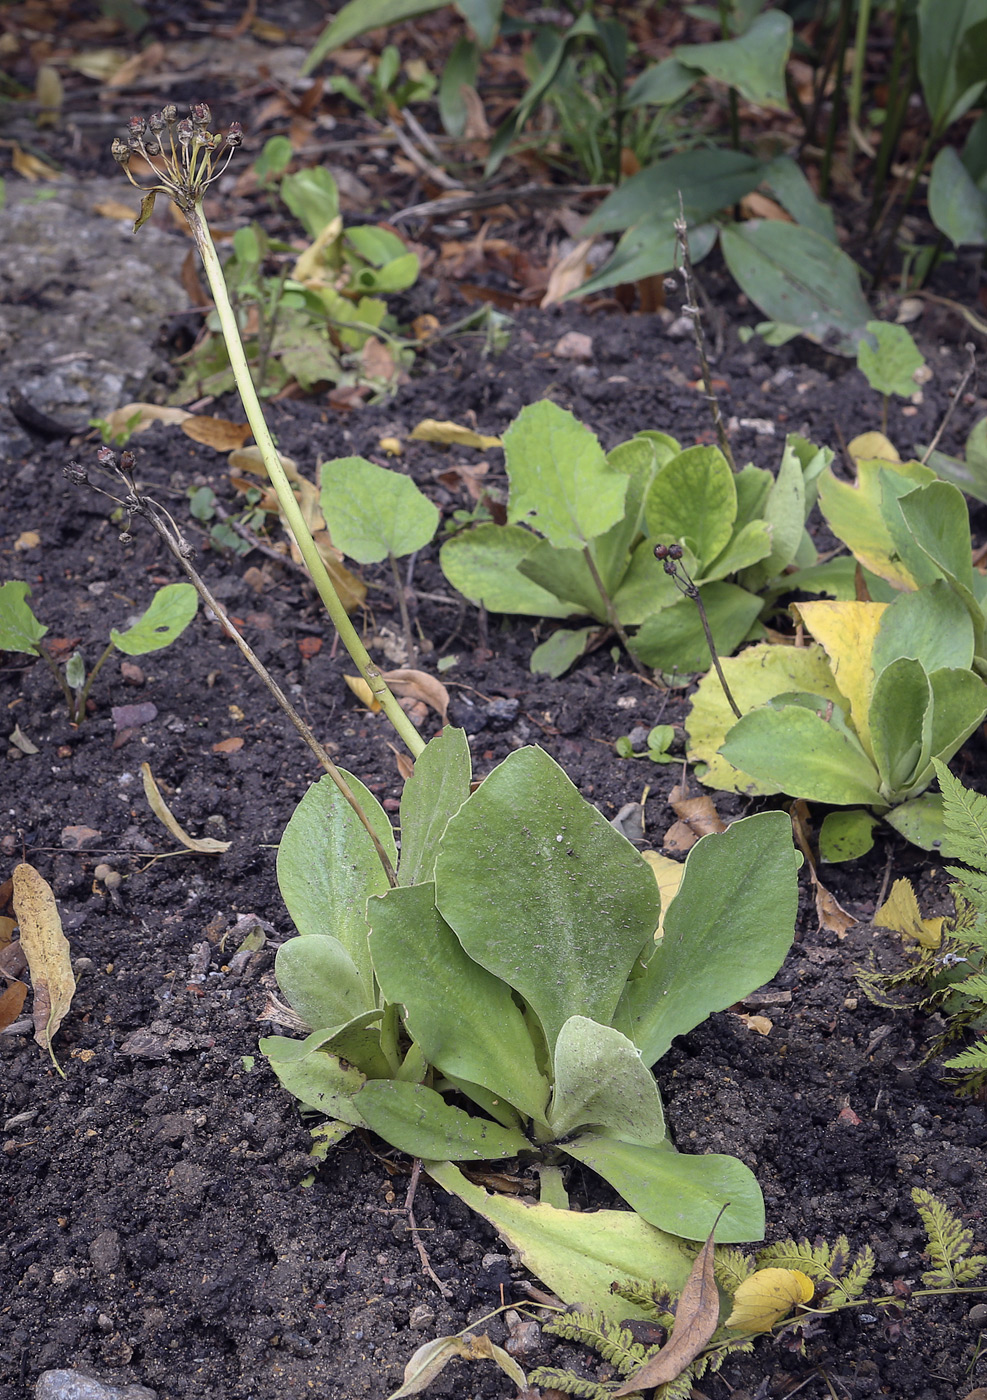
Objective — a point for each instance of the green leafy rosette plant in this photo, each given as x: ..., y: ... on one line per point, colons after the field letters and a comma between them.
x: 497, y: 989
x: 582, y: 525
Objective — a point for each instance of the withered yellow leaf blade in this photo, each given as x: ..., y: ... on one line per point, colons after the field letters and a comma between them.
x: 363, y: 693
x: 219, y: 433
x: 847, y: 632
x: 697, y: 1315
x: 766, y: 1297
x: 135, y: 418
x: 669, y: 874
x: 873, y: 447
x: 47, y: 951
x: 901, y: 913
x: 204, y: 845
x: 450, y: 434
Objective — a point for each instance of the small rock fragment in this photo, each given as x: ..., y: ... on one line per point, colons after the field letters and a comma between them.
x: 77, y: 838
x: 420, y: 1318
x: 132, y: 716
x: 574, y: 345
x: 73, y: 1385
x: 104, y: 1251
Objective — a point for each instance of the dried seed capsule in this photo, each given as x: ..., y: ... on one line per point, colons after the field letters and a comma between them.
x: 120, y: 151
x: 76, y: 473
x: 106, y: 457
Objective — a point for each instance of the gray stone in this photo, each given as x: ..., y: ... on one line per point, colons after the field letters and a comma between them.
x: 73, y: 1385
x: 104, y: 1251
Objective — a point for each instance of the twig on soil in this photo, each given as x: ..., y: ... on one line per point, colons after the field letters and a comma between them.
x: 960, y: 388
x: 409, y: 1201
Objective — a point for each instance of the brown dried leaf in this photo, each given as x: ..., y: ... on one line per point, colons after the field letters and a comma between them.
x: 419, y: 685
x: 679, y: 838
x: 431, y: 1358
x: 121, y: 420
x: 831, y: 914
x: 218, y: 433
x: 569, y: 273
x: 49, y: 95
x: 47, y: 951
x: 696, y: 1318
x: 405, y: 765
x: 115, y: 209
x: 377, y: 360
x: 31, y: 167
x: 762, y: 1024
x: 12, y: 1000
x: 698, y: 812
x: 759, y: 206
x: 7, y: 927
x: 206, y: 845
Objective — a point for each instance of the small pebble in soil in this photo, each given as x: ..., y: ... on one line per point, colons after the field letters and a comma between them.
x: 73, y: 1385
x: 420, y: 1318
x: 977, y: 1317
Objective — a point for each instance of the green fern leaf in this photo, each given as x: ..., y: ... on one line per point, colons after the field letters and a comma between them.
x: 731, y: 1268
x: 552, y: 1378
x: 965, y: 815
x: 949, y: 1243
x: 973, y: 1058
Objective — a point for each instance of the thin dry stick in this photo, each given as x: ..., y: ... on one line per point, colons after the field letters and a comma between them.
x: 137, y: 504
x: 409, y: 1202
x: 691, y: 309
x: 960, y: 388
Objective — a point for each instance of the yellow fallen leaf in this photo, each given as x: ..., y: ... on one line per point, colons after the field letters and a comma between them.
x: 115, y: 209
x: 311, y: 267
x: 31, y: 167
x: 47, y: 951
x: 669, y: 874
x: 391, y: 445
x: 219, y: 433
x: 137, y: 417
x: 873, y: 447
x: 901, y: 913
x: 448, y: 433
x: 762, y: 1024
x: 363, y: 693
x: 49, y: 95
x: 766, y: 1297
x: 205, y: 845
x: 98, y: 64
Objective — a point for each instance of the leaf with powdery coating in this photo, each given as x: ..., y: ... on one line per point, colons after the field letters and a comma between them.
x: 47, y: 951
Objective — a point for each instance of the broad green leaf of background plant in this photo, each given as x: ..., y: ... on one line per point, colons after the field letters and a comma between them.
x: 328, y: 867
x: 754, y: 63
x: 320, y: 981
x: 969, y: 475
x: 578, y: 1254
x: 846, y: 835
x: 483, y: 17
x: 317, y: 1080
x: 784, y: 513
x: 794, y: 274
x: 20, y: 630
x: 437, y: 788
x: 464, y: 1018
x: 542, y: 891
x: 855, y: 513
x: 901, y: 724
x: 674, y: 638
x: 937, y: 521
x: 172, y: 609
x: 647, y: 249
x: 952, y: 57
x: 750, y: 544
x: 601, y: 1082
x: 920, y: 821
x: 357, y: 17
x: 931, y: 624
x: 312, y: 197
x: 890, y: 363
x: 417, y: 1120
x: 957, y: 205
x: 482, y: 564
x: 661, y: 84
x: 639, y: 459
x: 755, y: 677
x: 645, y: 588
x: 693, y: 500
x: 786, y: 180
x: 561, y: 483
x: 562, y: 650
x: 847, y: 632
x: 372, y: 512
x: 683, y: 1195
x: 733, y: 916
x: 708, y: 181
x: 564, y: 573
x: 460, y: 71
x: 794, y: 750
x: 959, y: 702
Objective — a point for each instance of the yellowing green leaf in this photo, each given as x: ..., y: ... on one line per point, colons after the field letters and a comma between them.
x: 450, y: 434
x: 854, y: 512
x: 865, y: 447
x: 766, y: 1297
x: 669, y: 874
x: 847, y: 632
x: 900, y: 912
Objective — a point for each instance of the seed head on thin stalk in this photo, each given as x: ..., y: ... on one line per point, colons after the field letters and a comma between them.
x: 185, y: 157
x: 671, y: 560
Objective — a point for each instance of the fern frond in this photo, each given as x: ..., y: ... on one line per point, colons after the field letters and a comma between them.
x: 858, y: 1275
x: 880, y: 987
x: 613, y: 1342
x: 971, y: 887
x: 974, y: 987
x: 973, y: 1058
x: 654, y: 1298
x: 552, y: 1378
x: 965, y: 815
x: 811, y: 1259
x: 731, y: 1267
x: 948, y: 1246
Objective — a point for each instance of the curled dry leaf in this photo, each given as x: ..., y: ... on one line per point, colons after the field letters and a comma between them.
x: 432, y: 1358
x: 12, y: 1000
x: 569, y: 273
x: 766, y: 1296
x: 419, y: 685
x: 137, y: 417
x: 697, y: 1316
x: 206, y: 845
x: 762, y: 1024
x: 47, y: 951
x: 219, y: 433
x: 697, y: 817
x: 448, y: 433
x: 830, y: 913
x: 405, y: 765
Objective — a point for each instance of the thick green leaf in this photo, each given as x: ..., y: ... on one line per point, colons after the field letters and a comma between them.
x: 957, y: 206
x: 693, y: 500
x: 733, y: 917
x: 647, y: 249
x: 681, y: 1194
x: 357, y: 17
x: 646, y: 588
x: 20, y: 630
x: 889, y: 358
x: 437, y: 788
x: 317, y: 1080
x: 920, y: 821
x: 952, y: 57
x: 784, y: 514
x: 959, y: 702
x: 562, y: 649
x: 172, y: 609
x: 749, y: 545
x: 564, y: 573
x: 601, y: 1082
x: 372, y: 512
x: 639, y: 459
x: 900, y: 721
x: 796, y: 275
x: 313, y: 197
x: 930, y: 624
x: 675, y: 639
x: 938, y: 521
x: 578, y: 1254
x: 661, y: 84
x: 417, y: 1120
x: 846, y: 835
x: 460, y: 71
x: 320, y: 981
x: 482, y: 564
x: 793, y: 750
x: 786, y: 180
x: 561, y: 483
x: 328, y: 867
x: 542, y: 891
x: 969, y: 475
x: 464, y: 1019
x: 754, y: 63
x: 856, y: 513
x: 483, y: 17
x: 708, y: 181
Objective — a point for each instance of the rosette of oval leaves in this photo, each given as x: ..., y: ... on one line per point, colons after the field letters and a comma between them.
x: 895, y: 683
x: 582, y: 525
x: 507, y: 997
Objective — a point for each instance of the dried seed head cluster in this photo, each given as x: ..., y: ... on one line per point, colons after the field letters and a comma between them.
x: 184, y: 155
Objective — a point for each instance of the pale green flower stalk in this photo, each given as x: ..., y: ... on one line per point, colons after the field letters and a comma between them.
x: 186, y: 158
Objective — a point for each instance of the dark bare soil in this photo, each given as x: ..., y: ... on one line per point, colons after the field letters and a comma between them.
x: 161, y: 1220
